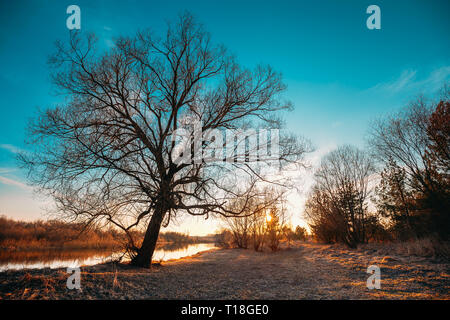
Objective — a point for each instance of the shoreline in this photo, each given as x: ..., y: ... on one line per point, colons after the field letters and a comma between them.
x: 62, y: 258
x: 85, y: 247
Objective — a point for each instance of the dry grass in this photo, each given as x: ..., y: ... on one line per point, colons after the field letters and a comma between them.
x: 427, y: 247
x: 44, y: 235
x: 305, y: 271
x: 22, y: 235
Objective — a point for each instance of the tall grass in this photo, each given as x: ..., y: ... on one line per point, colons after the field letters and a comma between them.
x: 53, y: 234
x: 37, y: 235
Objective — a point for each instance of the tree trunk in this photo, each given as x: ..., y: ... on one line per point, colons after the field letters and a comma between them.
x: 145, y: 253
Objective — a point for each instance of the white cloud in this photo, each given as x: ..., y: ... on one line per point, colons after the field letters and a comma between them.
x: 7, y: 170
x: 304, y: 181
x: 11, y: 148
x: 405, y: 79
x: 16, y: 183
x: 408, y: 81
x: 437, y: 77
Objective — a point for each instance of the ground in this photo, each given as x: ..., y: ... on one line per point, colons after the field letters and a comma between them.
x: 304, y: 271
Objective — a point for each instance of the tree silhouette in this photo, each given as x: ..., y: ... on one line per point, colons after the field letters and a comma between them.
x: 417, y: 141
x: 395, y: 200
x: 106, y: 155
x: 337, y: 205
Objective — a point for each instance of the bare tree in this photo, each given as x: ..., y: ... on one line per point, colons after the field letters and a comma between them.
x: 106, y: 155
x: 394, y: 200
x: 240, y: 225
x: 337, y: 205
x: 416, y: 140
x: 402, y: 138
x: 258, y: 230
x: 276, y: 223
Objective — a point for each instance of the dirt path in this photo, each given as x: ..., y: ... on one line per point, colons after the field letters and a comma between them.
x: 306, y: 271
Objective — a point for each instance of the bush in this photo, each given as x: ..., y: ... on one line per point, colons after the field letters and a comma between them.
x: 224, y: 239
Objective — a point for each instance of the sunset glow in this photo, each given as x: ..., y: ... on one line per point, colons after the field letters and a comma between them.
x: 212, y: 157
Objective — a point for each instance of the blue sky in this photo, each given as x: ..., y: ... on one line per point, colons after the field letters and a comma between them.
x: 339, y: 73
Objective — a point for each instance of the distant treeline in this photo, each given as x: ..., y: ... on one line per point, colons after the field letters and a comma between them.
x: 177, y: 237
x: 57, y: 234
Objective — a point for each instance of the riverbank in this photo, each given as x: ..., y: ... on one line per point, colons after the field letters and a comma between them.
x: 18, y: 236
x: 304, y: 271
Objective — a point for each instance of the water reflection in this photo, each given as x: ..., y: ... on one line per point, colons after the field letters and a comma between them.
x: 14, y: 260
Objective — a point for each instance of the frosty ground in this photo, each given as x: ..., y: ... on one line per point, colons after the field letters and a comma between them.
x: 303, y: 271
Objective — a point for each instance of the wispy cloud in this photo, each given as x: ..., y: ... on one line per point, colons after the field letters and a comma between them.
x: 437, y: 77
x: 7, y: 170
x: 408, y: 80
x: 110, y: 43
x: 11, y: 148
x: 404, y: 80
x: 16, y: 183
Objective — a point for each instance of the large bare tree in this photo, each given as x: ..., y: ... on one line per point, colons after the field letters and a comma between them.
x: 106, y: 155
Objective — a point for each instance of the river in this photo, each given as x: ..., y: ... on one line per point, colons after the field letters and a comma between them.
x: 63, y: 258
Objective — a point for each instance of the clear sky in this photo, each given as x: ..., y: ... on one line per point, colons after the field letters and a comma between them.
x: 339, y: 73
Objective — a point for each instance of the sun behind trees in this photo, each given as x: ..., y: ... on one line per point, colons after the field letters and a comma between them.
x: 106, y: 154
x: 263, y: 223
